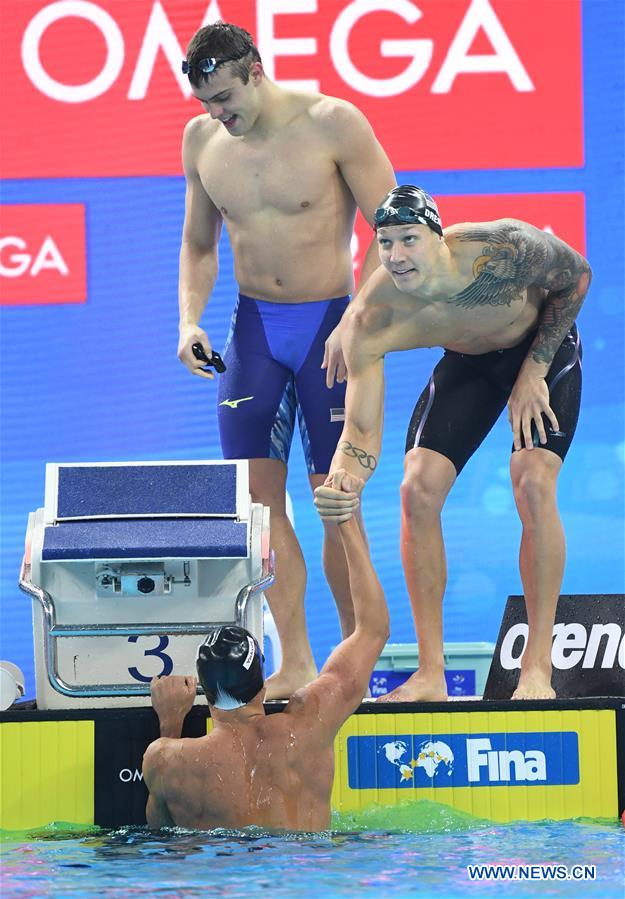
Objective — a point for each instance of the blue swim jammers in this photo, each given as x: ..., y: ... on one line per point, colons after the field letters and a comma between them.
x: 273, y: 358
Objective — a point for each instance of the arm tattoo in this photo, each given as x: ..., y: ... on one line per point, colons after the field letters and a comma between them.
x: 516, y: 256
x: 364, y: 458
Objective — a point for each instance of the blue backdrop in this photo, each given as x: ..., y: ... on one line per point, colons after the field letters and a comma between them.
x: 100, y: 381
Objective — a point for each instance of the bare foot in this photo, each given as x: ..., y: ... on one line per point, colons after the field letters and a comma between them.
x: 283, y: 684
x: 534, y: 684
x: 419, y: 688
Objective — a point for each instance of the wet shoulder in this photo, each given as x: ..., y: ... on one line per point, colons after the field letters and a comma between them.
x: 505, y: 230
x: 199, y: 131
x: 332, y: 116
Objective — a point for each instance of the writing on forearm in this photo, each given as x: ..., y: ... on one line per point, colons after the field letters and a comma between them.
x: 365, y: 459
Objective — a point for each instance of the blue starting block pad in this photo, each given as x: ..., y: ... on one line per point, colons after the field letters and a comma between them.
x: 132, y: 539
x: 114, y: 491
x: 130, y: 565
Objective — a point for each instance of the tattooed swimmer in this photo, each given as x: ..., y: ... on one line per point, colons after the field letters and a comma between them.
x: 501, y: 298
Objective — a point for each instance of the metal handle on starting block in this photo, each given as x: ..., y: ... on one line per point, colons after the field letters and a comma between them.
x: 53, y: 631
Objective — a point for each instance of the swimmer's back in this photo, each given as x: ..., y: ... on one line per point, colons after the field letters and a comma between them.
x: 265, y: 772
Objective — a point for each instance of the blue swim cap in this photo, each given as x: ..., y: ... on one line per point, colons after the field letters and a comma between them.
x: 230, y: 667
x: 406, y: 205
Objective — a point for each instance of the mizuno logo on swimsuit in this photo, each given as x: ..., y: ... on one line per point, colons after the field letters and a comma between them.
x: 233, y: 404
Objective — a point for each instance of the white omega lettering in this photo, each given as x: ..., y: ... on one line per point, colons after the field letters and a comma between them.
x: 505, y: 58
x: 419, y: 50
x: 20, y: 261
x: 508, y: 661
x: 72, y: 93
x: 126, y: 775
x: 48, y: 256
x: 159, y: 35
x: 270, y: 46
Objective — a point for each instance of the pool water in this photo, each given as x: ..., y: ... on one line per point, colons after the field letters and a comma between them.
x: 418, y: 850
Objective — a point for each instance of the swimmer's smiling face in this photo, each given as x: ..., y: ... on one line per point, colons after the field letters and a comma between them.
x: 408, y: 253
x: 226, y: 99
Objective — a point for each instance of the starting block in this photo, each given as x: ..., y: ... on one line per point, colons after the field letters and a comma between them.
x: 130, y: 565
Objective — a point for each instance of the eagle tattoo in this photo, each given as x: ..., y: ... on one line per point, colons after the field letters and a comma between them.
x: 508, y: 263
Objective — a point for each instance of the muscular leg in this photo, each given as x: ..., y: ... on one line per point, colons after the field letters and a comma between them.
x: 286, y: 596
x: 541, y: 559
x: 335, y: 568
x: 428, y: 478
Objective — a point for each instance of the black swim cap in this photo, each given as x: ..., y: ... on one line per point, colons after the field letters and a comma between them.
x: 230, y: 667
x: 405, y: 205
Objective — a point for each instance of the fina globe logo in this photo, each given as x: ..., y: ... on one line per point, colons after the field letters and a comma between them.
x: 463, y: 760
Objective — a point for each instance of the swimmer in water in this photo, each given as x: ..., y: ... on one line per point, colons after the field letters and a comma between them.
x: 501, y: 298
x: 275, y: 771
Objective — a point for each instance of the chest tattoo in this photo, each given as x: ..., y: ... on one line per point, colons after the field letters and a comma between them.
x: 505, y: 266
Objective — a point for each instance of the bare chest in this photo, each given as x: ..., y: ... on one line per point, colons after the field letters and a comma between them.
x: 467, y: 321
x: 264, y: 178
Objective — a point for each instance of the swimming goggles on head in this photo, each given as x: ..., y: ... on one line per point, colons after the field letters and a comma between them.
x: 208, y: 65
x: 407, y: 215
x: 404, y: 214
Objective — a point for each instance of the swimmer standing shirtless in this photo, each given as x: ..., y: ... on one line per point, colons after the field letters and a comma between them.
x: 501, y: 298
x: 285, y: 170
x: 275, y: 771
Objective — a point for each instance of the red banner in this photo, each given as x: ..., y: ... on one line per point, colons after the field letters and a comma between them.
x: 561, y: 214
x: 95, y: 88
x: 42, y: 254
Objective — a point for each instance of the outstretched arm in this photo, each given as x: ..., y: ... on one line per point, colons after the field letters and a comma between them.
x: 515, y: 256
x: 358, y: 449
x: 369, y: 175
x: 344, y: 678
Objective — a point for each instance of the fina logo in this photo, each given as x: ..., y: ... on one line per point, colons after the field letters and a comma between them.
x: 501, y: 765
x: 425, y: 761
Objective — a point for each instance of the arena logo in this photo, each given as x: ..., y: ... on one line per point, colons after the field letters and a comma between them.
x: 110, y: 73
x: 601, y: 646
x: 42, y: 254
x: 160, y: 37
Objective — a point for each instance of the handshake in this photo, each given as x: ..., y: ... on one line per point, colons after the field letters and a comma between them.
x: 339, y: 496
